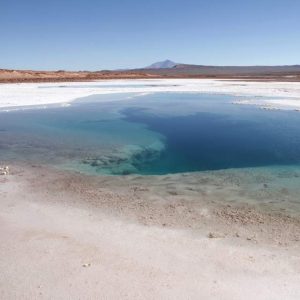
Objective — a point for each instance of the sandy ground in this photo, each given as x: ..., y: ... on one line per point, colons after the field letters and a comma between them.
x: 284, y: 95
x: 65, y: 236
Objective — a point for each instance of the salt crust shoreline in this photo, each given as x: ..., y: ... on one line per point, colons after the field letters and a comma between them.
x: 68, y: 236
x: 281, y: 95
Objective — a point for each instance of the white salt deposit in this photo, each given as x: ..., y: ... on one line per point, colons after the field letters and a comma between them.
x: 282, y: 95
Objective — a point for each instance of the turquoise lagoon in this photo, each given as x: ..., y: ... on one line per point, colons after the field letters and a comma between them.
x: 154, y: 134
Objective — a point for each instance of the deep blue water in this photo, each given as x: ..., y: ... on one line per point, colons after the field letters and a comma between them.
x: 209, y: 141
x: 154, y: 134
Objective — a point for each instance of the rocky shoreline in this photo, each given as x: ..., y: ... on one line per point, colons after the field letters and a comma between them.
x: 191, y: 201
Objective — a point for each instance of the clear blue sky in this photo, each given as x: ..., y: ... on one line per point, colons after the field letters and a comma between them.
x: 97, y: 34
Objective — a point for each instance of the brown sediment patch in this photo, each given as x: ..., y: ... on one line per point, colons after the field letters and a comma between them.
x: 200, y: 202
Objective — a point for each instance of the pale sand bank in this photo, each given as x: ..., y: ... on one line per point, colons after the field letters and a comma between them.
x: 65, y: 236
x: 43, y: 94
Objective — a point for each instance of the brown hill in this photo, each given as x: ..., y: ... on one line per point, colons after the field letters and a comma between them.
x: 57, y: 76
x: 280, y: 73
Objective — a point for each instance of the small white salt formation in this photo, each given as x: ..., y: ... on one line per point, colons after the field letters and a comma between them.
x: 4, y: 170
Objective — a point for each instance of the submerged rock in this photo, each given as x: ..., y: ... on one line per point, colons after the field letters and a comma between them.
x: 128, y: 160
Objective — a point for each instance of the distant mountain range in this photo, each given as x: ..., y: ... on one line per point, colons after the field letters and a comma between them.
x: 166, y: 64
x: 172, y: 69
x: 162, y: 69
